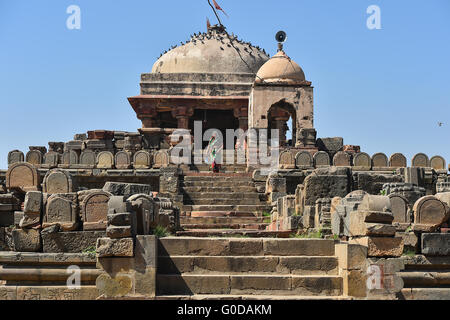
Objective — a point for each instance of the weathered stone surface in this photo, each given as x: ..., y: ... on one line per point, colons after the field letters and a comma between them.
x: 414, y: 176
x: 119, y: 232
x: 410, y: 240
x: 359, y: 228
x: 32, y: 210
x: 321, y: 159
x: 62, y: 209
x: 105, y: 160
x: 22, y: 176
x: 120, y: 219
x: 436, y: 244
x: 26, y: 240
x: 351, y: 256
x: 326, y: 183
x: 287, y: 160
x: 438, y: 163
x: 399, y: 208
x: 123, y: 160
x: 161, y: 159
x: 381, y: 246
x: 379, y: 160
x: 6, y: 242
x: 362, y: 161
x: 443, y: 187
x: 276, y: 184
x: 58, y: 181
x: 70, y: 242
x: 375, y: 203
x: 15, y: 156
x: 34, y: 157
x: 342, y: 159
x: 127, y: 189
x: 145, y: 208
x: 410, y: 192
x: 330, y: 145
x: 304, y: 159
x: 94, y: 210
x: 373, y: 182
x: 33, y: 202
x: 87, y: 159
x: 51, y: 159
x: 420, y: 160
x: 397, y: 160
x: 107, y: 247
x: 431, y: 211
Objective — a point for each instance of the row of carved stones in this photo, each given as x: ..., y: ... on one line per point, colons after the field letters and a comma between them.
x: 102, y: 160
x: 304, y: 159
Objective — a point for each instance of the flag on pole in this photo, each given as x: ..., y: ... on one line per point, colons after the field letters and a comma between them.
x: 208, y: 24
x: 219, y: 8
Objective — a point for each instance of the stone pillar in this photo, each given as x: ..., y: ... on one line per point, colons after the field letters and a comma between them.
x: 242, y: 115
x: 148, y: 117
x: 182, y: 114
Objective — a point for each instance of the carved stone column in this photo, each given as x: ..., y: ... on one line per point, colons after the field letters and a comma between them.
x: 182, y: 114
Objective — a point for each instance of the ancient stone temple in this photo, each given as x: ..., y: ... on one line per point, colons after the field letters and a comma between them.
x: 328, y: 221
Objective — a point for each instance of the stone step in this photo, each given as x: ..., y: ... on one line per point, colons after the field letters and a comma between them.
x: 219, y: 177
x: 434, y: 279
x: 233, y: 189
x: 221, y: 220
x: 187, y: 246
x: 231, y: 226
x: 425, y: 294
x: 48, y: 292
x: 223, y: 202
x: 38, y: 274
x: 221, y: 195
x: 299, y: 265
x: 253, y: 297
x: 200, y: 214
x: 230, y: 208
x: 249, y: 284
x: 216, y: 184
x: 234, y: 233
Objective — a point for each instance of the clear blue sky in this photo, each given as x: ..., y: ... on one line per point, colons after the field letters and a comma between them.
x: 385, y: 90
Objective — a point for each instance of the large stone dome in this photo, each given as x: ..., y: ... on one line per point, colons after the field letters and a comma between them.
x: 280, y: 69
x: 212, y: 52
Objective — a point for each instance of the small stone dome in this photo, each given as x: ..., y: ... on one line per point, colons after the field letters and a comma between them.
x: 280, y: 69
x: 212, y: 52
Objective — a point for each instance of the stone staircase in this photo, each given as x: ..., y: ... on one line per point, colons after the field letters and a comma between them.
x: 426, y: 278
x: 223, y: 204
x: 43, y: 276
x: 218, y: 268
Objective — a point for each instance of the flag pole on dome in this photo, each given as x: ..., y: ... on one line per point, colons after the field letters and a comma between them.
x: 216, y: 7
